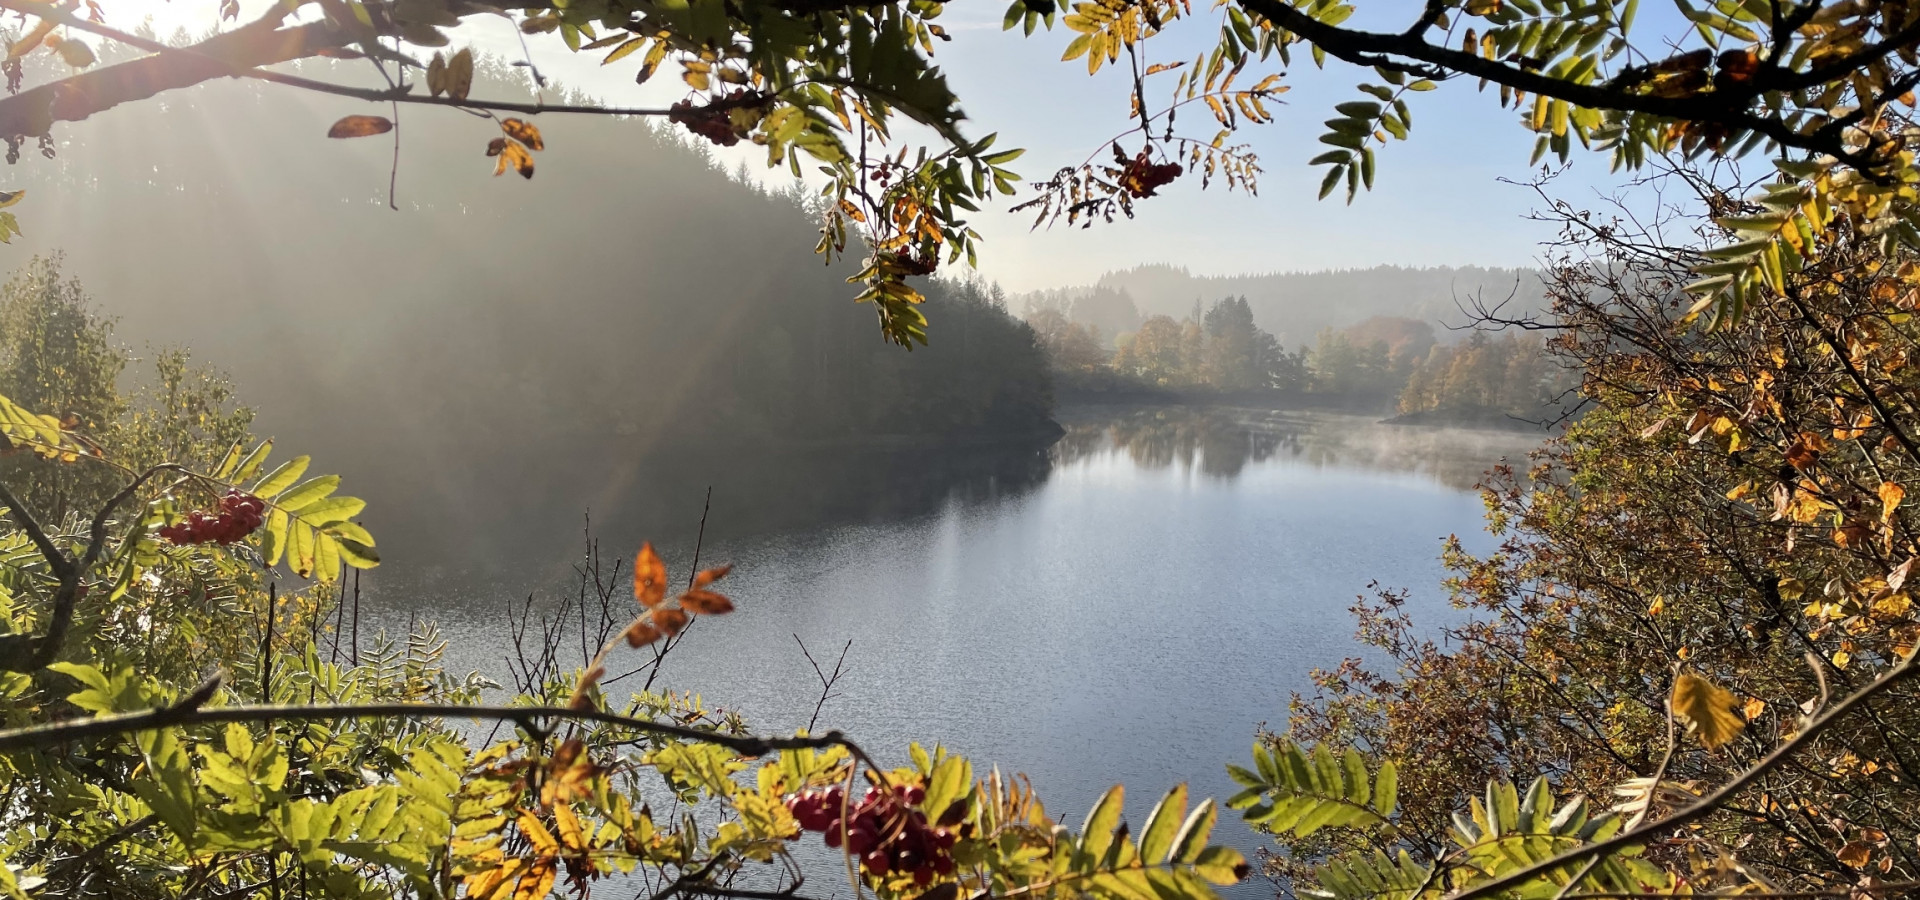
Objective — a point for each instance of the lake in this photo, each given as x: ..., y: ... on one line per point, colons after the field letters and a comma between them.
x: 1128, y: 605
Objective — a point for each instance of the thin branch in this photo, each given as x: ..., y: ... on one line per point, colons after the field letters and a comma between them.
x: 189, y: 712
x: 1728, y: 107
x: 1708, y: 804
x: 237, y: 54
x: 20, y: 653
x: 826, y: 681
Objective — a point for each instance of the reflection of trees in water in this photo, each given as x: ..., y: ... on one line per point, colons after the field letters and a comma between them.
x: 1222, y: 442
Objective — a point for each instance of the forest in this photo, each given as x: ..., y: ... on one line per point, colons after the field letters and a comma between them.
x: 1384, y: 364
x: 756, y: 359
x: 1681, y: 663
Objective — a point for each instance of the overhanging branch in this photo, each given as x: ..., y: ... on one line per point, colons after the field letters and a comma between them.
x: 190, y: 712
x: 1728, y: 107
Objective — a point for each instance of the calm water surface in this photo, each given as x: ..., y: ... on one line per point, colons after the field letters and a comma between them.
x: 1131, y: 610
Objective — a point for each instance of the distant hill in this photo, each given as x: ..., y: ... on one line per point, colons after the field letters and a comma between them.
x: 1295, y: 306
x: 499, y: 348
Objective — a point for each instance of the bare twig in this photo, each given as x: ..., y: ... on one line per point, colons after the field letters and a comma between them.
x: 826, y: 681
x: 189, y: 712
x: 672, y: 641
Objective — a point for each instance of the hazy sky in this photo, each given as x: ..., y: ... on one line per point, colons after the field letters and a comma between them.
x: 1438, y: 198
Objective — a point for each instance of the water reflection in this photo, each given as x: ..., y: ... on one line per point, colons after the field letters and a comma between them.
x: 995, y: 596
x: 1223, y: 442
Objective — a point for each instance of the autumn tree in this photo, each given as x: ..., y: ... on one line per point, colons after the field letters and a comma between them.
x: 1070, y: 346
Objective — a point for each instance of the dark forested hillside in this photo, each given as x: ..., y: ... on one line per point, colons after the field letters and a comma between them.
x: 494, y: 326
x: 1296, y: 306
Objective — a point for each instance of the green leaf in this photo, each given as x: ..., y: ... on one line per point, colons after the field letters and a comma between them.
x: 251, y: 463
x: 1386, y: 789
x: 274, y: 537
x: 1192, y: 837
x: 331, y: 510
x: 282, y: 478
x: 311, y: 491
x: 1097, y: 833
x: 1156, y: 837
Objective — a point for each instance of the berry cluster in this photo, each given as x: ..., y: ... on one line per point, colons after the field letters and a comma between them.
x: 1142, y: 176
x: 713, y: 121
x: 883, y: 829
x: 239, y: 515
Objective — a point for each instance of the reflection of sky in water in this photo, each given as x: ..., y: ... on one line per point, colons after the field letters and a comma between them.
x: 1133, y: 618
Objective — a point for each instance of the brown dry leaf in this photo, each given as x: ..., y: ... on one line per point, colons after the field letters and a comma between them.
x: 1707, y: 710
x: 640, y: 634
x: 460, y: 74
x: 565, y: 754
x: 1800, y: 456
x: 523, y: 131
x: 1852, y: 534
x: 1855, y: 853
x: 705, y: 603
x: 669, y: 620
x: 709, y: 576
x: 1905, y: 639
x: 359, y: 126
x: 437, y: 75
x: 649, y: 577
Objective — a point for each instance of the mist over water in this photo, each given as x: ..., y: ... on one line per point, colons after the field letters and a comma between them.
x: 1129, y: 605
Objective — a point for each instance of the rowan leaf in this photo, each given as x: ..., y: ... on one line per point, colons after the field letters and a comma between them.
x: 649, y: 577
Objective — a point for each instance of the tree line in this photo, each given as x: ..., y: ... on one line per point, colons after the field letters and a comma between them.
x: 1386, y: 363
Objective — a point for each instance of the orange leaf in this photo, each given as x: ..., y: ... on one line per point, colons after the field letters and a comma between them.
x: 640, y: 634
x: 709, y: 576
x: 1855, y: 854
x: 359, y: 126
x: 649, y: 577
x: 669, y: 620
x: 496, y: 146
x: 515, y: 155
x: 524, y: 132
x: 538, y: 882
x: 705, y: 603
x: 1890, y: 496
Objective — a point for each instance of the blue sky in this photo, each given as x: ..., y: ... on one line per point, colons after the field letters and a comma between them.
x: 1438, y: 198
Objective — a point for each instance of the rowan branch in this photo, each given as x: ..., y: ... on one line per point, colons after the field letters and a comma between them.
x: 79, y: 96
x: 1725, y: 107
x: 189, y: 712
